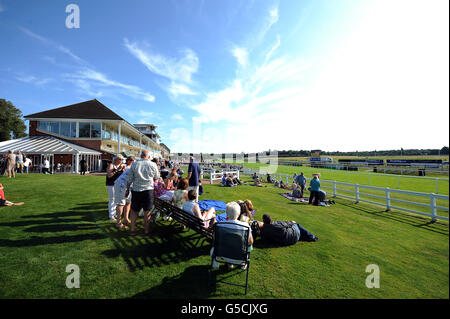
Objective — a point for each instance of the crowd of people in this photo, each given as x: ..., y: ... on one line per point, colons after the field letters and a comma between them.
x: 133, y: 185
x: 317, y: 196
x: 15, y: 163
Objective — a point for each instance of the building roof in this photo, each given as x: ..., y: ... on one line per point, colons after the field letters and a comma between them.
x: 92, y: 109
x: 165, y: 146
x: 44, y: 145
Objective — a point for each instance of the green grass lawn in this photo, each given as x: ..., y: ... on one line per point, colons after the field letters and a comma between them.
x: 64, y: 221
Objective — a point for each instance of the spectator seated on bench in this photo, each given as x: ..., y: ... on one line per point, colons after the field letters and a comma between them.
x: 191, y: 207
x: 180, y: 196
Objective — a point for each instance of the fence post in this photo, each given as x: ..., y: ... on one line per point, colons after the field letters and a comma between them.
x: 398, y: 182
x: 368, y: 177
x: 388, y: 199
x: 211, y: 178
x: 334, y: 189
x: 433, y: 208
x: 357, y: 193
x: 437, y: 186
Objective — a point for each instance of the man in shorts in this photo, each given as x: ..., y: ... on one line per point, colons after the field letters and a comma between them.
x: 19, y: 162
x: 142, y: 174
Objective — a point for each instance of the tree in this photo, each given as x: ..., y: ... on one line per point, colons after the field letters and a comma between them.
x: 11, y: 123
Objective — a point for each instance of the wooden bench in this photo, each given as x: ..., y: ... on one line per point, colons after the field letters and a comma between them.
x: 184, y: 218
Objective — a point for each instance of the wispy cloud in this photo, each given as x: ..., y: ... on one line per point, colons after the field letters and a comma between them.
x: 31, y: 79
x: 177, y: 117
x: 174, y: 69
x: 2, y: 8
x: 86, y: 78
x: 53, y: 44
x: 176, y: 89
x: 178, y: 70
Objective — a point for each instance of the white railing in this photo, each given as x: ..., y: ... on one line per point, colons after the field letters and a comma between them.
x: 385, y: 200
x: 213, y: 176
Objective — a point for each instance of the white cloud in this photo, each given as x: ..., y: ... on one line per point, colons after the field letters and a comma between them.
x: 176, y: 89
x: 53, y: 44
x: 274, y: 48
x: 87, y: 78
x: 33, y: 80
x: 177, y: 117
x: 241, y: 55
x: 178, y: 70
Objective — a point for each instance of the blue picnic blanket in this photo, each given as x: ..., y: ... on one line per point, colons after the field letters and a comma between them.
x: 221, y: 217
x: 208, y: 203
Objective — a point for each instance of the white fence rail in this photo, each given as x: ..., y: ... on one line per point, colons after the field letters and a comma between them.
x: 214, y: 176
x: 354, y: 193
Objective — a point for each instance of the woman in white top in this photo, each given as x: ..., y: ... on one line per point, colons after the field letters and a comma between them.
x: 191, y: 207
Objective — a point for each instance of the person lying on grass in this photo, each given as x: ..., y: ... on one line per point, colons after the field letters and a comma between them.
x: 191, y: 207
x: 4, y: 202
x: 282, y: 233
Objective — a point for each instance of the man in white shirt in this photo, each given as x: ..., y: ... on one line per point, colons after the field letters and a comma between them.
x: 141, y: 175
x: 27, y: 164
x: 46, y: 168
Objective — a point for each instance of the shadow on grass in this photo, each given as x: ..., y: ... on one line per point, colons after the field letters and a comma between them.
x: 192, y: 283
x: 197, y: 282
x: 74, y: 220
x: 416, y: 221
x: 166, y: 244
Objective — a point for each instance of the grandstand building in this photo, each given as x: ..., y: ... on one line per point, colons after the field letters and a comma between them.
x: 87, y: 130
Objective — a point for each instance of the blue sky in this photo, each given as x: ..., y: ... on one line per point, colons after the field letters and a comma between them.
x: 240, y: 76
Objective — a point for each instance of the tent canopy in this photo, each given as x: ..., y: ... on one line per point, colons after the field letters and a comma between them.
x: 44, y: 145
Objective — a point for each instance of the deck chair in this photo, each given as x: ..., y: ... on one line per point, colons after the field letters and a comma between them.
x: 230, y: 245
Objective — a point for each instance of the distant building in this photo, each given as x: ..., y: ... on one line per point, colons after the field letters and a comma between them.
x: 93, y: 131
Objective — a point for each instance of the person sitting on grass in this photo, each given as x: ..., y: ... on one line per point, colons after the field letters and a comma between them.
x: 3, y: 201
x: 236, y: 180
x: 229, y: 181
x: 233, y: 211
x: 296, y: 192
x: 281, y: 232
x: 191, y: 207
x: 269, y: 178
x: 283, y: 185
x: 224, y: 180
x: 246, y: 213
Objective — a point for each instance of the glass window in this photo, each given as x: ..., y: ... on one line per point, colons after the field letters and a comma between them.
x: 51, y: 127
x: 96, y: 128
x: 84, y: 129
x: 65, y: 129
